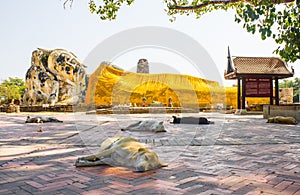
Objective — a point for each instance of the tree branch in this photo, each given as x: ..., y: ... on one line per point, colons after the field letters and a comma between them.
x: 175, y: 6
x: 68, y: 1
x: 194, y: 7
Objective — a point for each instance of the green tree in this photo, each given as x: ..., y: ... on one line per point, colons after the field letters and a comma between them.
x: 12, y: 88
x: 277, y: 19
x: 286, y: 83
x: 296, y: 86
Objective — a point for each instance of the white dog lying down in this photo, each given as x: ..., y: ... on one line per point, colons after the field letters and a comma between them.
x: 41, y: 119
x: 146, y: 125
x: 123, y: 151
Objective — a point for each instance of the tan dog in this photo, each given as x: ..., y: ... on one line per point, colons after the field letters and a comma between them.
x: 123, y: 151
x: 282, y: 120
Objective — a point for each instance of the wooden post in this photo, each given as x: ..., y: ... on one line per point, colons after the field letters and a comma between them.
x: 276, y: 92
x: 238, y: 93
x: 271, y: 92
x: 243, y: 92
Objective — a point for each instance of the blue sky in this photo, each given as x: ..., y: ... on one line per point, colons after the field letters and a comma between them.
x: 27, y: 25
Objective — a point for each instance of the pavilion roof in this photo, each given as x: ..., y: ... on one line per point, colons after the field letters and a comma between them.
x: 257, y: 66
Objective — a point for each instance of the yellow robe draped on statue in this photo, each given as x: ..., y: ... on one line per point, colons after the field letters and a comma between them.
x: 110, y: 85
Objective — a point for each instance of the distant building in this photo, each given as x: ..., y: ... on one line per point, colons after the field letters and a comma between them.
x: 143, y: 66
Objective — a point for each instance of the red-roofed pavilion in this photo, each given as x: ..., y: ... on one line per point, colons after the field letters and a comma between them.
x: 255, y: 77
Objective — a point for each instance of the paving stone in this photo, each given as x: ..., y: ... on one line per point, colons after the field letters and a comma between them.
x: 291, y: 189
x: 185, y: 174
x: 197, y: 189
x: 147, y: 190
x: 34, y: 184
x: 21, y: 191
x: 29, y: 188
x: 139, y: 181
x: 291, y: 177
x: 188, y: 184
x: 95, y: 192
x: 245, y: 189
x: 283, y: 185
x: 276, y: 180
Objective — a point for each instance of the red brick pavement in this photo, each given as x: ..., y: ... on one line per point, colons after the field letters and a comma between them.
x: 42, y: 163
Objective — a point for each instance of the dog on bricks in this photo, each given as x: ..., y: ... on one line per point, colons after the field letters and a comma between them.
x: 125, y: 152
x: 282, y: 120
x: 146, y: 125
x: 41, y: 119
x: 191, y: 120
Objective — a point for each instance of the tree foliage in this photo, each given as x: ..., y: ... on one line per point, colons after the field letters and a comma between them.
x: 12, y: 88
x: 276, y: 19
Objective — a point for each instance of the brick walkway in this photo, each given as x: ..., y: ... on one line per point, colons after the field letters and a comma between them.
x: 236, y: 155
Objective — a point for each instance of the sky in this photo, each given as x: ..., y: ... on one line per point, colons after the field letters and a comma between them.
x: 27, y: 25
